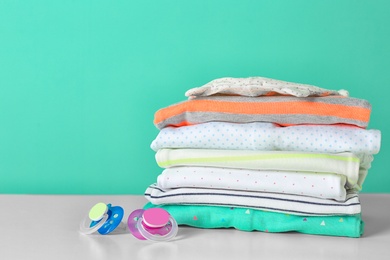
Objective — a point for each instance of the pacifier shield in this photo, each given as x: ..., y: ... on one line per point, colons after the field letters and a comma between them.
x: 132, y: 223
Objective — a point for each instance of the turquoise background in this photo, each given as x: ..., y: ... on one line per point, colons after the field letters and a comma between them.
x: 80, y: 80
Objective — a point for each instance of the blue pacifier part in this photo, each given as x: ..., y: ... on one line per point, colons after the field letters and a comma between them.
x: 115, y: 215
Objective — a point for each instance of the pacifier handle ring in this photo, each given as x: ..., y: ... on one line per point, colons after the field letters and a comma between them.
x: 84, y: 225
x: 98, y: 211
x: 151, y: 237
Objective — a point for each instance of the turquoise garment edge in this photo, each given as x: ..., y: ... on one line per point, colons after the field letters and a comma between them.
x: 257, y: 220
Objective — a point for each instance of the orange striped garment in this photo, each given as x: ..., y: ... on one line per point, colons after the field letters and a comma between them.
x: 282, y: 110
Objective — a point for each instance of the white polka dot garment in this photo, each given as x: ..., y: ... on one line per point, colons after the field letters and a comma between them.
x: 270, y: 137
x: 320, y: 185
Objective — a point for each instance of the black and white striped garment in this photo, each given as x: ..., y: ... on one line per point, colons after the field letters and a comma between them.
x: 276, y: 202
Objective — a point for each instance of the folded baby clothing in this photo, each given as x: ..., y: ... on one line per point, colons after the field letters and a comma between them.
x: 282, y: 110
x: 260, y: 86
x: 244, y: 152
x: 247, y: 219
x: 346, y: 164
x: 275, y: 202
x: 270, y: 137
x: 313, y: 184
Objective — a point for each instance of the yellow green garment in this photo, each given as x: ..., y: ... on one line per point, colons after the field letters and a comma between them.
x: 250, y: 220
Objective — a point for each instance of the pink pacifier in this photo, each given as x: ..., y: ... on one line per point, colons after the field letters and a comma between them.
x: 152, y: 224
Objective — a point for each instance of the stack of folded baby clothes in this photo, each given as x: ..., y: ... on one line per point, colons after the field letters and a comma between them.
x: 264, y: 154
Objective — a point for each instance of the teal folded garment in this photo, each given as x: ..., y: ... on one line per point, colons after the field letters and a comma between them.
x: 249, y: 220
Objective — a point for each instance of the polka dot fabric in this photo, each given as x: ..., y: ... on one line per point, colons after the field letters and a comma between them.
x: 347, y: 164
x: 270, y: 137
x: 320, y: 185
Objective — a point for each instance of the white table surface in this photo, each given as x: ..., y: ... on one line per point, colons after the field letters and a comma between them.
x: 46, y: 227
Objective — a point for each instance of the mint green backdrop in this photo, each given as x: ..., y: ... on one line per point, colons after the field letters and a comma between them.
x: 80, y: 80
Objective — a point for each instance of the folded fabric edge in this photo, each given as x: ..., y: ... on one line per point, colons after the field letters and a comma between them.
x: 196, y: 216
x: 259, y: 86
